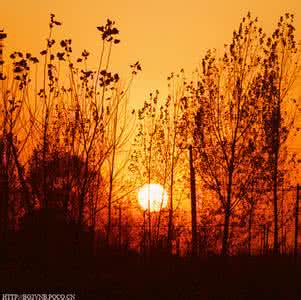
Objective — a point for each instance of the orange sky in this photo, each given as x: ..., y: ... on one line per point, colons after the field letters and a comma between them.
x: 163, y: 35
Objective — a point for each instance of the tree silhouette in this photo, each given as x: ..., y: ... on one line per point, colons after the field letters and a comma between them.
x: 225, y: 122
x: 280, y: 69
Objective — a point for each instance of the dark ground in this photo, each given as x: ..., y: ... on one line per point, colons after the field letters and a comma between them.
x: 132, y: 277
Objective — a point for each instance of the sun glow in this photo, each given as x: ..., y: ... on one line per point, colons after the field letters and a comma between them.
x: 152, y: 196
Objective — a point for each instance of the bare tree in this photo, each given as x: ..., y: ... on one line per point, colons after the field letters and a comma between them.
x: 225, y: 130
x: 15, y: 133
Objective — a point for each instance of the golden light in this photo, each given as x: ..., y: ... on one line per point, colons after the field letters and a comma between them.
x: 152, y: 196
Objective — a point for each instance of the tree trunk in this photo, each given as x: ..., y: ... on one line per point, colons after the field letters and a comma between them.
x: 250, y: 230
x: 44, y: 154
x: 170, y: 216
x: 296, y: 246
x: 193, y: 204
x: 275, y: 204
x: 20, y: 169
x: 227, y: 212
x: 4, y: 188
x: 111, y: 179
x: 225, y: 244
x: 119, y: 227
x: 4, y: 203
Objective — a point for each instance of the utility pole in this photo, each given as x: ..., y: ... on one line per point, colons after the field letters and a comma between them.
x: 297, y: 220
x: 193, y: 204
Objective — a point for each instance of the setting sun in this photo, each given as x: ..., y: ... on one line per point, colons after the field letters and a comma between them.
x: 155, y: 193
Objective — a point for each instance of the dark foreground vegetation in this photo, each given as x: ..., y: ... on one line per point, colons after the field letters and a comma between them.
x: 111, y: 275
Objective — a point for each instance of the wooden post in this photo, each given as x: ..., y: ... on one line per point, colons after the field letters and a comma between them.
x: 193, y: 204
